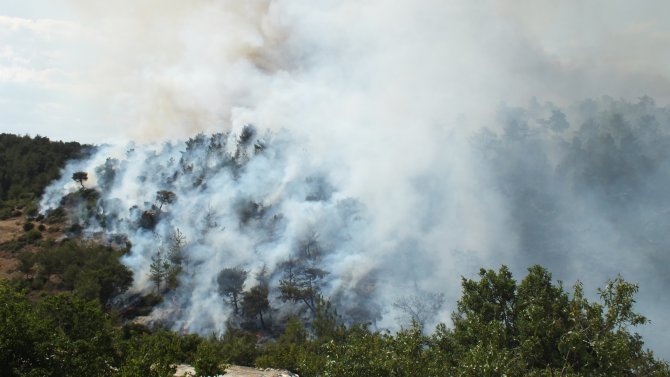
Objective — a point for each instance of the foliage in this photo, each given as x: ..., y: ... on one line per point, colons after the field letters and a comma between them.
x: 94, y: 272
x: 158, y: 269
x: 238, y: 347
x: 231, y: 283
x: 60, y: 336
x: 533, y: 328
x: 28, y: 165
x: 150, y: 355
x: 208, y: 359
x: 255, y: 302
x: 501, y: 327
x: 166, y: 264
x: 80, y: 177
x: 302, y: 275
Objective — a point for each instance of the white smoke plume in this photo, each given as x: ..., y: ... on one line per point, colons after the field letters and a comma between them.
x: 381, y: 105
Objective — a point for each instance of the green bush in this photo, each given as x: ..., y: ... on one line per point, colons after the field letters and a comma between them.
x: 30, y: 209
x: 238, y: 347
x: 56, y: 215
x: 208, y: 360
x: 32, y: 236
x: 6, y: 213
x: 26, y: 261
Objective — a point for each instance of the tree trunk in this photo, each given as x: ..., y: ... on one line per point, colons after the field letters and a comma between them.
x: 260, y: 315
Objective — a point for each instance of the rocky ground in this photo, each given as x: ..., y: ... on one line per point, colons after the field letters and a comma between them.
x: 184, y: 370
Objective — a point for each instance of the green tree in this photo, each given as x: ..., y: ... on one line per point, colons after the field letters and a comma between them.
x: 536, y: 329
x: 255, y: 302
x: 151, y: 355
x: 231, y: 283
x: 82, y: 339
x: 175, y: 257
x: 80, y: 177
x: 485, y: 311
x: 541, y: 318
x: 302, y: 276
x: 19, y: 333
x: 159, y: 269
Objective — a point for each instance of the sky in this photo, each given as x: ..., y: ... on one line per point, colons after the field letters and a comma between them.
x: 386, y: 95
x: 97, y: 72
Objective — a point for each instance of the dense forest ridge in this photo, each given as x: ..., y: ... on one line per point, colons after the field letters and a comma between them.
x: 530, y: 328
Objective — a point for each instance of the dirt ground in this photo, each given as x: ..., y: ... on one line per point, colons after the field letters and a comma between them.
x: 238, y: 371
x: 9, y: 230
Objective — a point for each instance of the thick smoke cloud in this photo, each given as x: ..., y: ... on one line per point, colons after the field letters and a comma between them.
x: 397, y: 106
x: 240, y: 201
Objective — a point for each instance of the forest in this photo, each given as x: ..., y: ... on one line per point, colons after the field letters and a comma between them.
x: 67, y: 311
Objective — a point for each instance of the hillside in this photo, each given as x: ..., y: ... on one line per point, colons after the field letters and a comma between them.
x: 27, y: 166
x: 70, y: 306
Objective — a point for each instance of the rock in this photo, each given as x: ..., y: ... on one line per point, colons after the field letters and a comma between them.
x: 184, y: 370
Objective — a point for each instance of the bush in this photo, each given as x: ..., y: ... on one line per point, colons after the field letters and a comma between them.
x: 56, y: 215
x: 75, y: 228
x: 32, y: 236
x: 26, y: 261
x: 238, y: 347
x: 31, y: 209
x: 41, y: 228
x: 148, y: 220
x: 28, y: 226
x: 208, y: 361
x: 5, y: 213
x: 28, y: 238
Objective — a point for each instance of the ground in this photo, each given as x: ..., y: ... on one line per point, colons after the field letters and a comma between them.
x: 238, y: 371
x: 10, y: 230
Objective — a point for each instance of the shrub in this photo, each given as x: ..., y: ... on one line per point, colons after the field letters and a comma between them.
x: 32, y: 236
x: 75, y: 228
x: 208, y: 361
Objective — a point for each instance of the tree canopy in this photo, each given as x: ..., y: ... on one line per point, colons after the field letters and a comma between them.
x: 231, y: 283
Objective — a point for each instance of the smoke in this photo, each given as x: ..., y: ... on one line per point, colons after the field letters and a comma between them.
x: 390, y: 115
